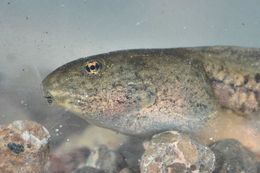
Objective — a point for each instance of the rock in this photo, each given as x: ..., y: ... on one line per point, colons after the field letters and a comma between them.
x: 173, y: 152
x: 24, y: 147
x: 88, y: 170
x: 126, y: 170
x: 132, y: 151
x: 103, y: 158
x: 66, y: 162
x: 232, y: 157
x: 94, y: 170
x: 80, y: 160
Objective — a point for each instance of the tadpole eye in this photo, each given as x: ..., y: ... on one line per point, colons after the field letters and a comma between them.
x: 92, y: 67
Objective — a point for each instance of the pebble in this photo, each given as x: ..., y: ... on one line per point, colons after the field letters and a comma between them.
x: 132, y: 150
x: 69, y: 161
x: 232, y: 157
x: 88, y: 170
x: 126, y: 170
x: 24, y: 147
x: 173, y: 152
x: 83, y: 160
x: 108, y: 160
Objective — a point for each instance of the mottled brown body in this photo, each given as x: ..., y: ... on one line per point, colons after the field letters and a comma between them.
x: 235, y: 76
x: 145, y: 91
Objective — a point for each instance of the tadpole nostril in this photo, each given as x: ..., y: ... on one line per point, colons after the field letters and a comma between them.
x: 49, y: 98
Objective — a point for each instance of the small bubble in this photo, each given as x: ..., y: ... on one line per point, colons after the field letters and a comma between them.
x: 139, y: 23
x: 57, y: 130
x: 60, y: 126
x: 67, y: 140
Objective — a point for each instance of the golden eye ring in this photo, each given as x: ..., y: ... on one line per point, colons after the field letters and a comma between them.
x: 92, y: 67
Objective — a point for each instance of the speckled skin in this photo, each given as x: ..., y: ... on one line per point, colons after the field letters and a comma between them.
x: 151, y: 90
x: 234, y: 73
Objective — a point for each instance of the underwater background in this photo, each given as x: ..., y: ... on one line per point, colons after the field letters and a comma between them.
x: 38, y: 36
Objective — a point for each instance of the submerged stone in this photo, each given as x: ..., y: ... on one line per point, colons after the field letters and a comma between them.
x: 69, y: 161
x: 100, y: 159
x: 88, y: 170
x: 173, y: 152
x: 24, y: 147
x: 126, y: 170
x: 103, y: 158
x: 233, y: 157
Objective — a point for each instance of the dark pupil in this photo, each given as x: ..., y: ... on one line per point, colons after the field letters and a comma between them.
x: 92, y: 67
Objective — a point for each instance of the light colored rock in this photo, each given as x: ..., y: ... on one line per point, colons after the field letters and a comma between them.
x: 126, y: 170
x: 88, y: 170
x: 24, y: 147
x: 103, y: 158
x: 173, y: 152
